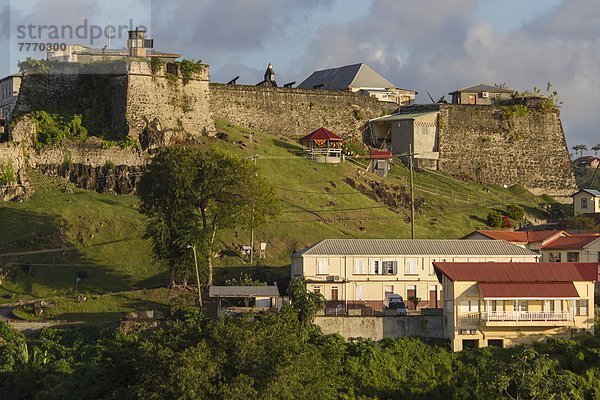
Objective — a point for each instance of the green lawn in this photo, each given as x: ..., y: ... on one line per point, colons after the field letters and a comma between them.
x: 98, y: 237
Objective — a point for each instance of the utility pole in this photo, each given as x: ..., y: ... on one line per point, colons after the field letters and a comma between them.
x: 412, y: 192
x: 197, y: 275
x: 254, y: 157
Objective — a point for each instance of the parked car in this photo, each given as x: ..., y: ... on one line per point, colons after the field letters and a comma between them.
x: 395, y: 302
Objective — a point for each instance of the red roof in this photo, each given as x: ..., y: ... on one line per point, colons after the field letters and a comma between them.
x: 535, y: 290
x: 380, y: 154
x: 519, y: 236
x: 321, y: 134
x: 518, y: 272
x: 575, y: 242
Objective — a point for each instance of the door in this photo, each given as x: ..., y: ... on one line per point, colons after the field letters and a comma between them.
x: 334, y: 294
x: 472, y: 99
x: 433, y: 297
x: 411, y: 292
x: 360, y: 293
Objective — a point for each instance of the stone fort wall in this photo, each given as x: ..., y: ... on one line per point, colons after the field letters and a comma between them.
x: 507, y: 146
x: 294, y: 112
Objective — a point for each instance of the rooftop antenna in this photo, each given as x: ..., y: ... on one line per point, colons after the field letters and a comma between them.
x: 109, y: 28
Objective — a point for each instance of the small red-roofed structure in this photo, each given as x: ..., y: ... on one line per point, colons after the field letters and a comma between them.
x: 323, y: 146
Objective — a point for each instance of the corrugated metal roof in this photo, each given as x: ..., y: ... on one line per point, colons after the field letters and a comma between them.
x: 243, y: 291
x: 573, y: 242
x: 589, y: 191
x: 524, y: 290
x: 415, y: 247
x: 401, y: 117
x: 518, y: 272
x: 343, y: 78
x: 483, y: 88
x: 518, y: 236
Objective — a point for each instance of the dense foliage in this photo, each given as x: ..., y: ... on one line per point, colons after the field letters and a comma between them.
x: 190, y: 195
x: 277, y: 357
x: 494, y: 219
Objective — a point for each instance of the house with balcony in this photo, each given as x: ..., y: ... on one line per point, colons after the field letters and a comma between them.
x: 502, y: 304
x: 532, y: 240
x: 356, y: 276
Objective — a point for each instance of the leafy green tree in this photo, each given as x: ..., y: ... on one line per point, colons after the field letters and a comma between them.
x: 306, y: 304
x: 515, y: 212
x: 494, y: 219
x: 190, y: 195
x: 582, y: 223
x: 596, y: 149
x: 13, y: 348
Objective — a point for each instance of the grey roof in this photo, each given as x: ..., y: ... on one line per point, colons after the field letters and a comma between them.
x: 401, y: 117
x: 483, y: 88
x: 342, y: 78
x: 243, y: 291
x: 414, y: 247
x: 589, y: 191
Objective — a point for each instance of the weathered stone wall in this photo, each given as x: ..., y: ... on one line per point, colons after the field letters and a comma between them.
x: 294, y: 112
x: 13, y: 165
x: 506, y: 146
x: 180, y: 110
x: 377, y: 328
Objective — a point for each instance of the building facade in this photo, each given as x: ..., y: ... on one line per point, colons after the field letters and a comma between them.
x: 362, y: 273
x: 9, y: 91
x: 586, y: 201
x: 501, y: 304
x: 481, y: 95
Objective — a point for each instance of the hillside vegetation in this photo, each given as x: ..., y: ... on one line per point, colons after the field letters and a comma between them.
x: 62, y: 233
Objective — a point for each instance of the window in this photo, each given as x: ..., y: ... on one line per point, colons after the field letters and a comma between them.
x: 572, y: 256
x: 390, y: 267
x: 359, y: 267
x: 322, y: 267
x: 376, y: 268
x: 554, y: 257
x: 380, y: 165
x: 411, y: 267
x: 388, y: 289
x: 495, y: 342
x: 548, y: 305
x: 316, y: 289
x: 469, y: 306
x: 520, y: 305
x: 584, y: 203
x: 360, y: 292
x: 582, y: 307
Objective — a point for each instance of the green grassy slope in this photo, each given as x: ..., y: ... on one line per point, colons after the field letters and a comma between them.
x: 99, y: 236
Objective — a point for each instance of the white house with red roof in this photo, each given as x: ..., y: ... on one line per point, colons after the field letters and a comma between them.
x: 532, y: 240
x: 581, y: 247
x: 501, y: 304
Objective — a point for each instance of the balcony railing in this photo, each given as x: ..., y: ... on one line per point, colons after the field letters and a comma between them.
x: 527, y: 316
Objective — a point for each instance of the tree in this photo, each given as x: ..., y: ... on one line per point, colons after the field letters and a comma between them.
x: 582, y: 223
x: 515, y: 212
x: 595, y: 149
x: 305, y: 303
x: 494, y: 219
x: 190, y: 195
x: 580, y: 148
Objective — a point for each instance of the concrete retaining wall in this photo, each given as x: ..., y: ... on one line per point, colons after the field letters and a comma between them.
x: 377, y: 328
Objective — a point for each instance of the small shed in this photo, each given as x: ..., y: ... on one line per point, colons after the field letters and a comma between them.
x: 243, y: 299
x: 586, y: 201
x: 323, y: 146
x: 481, y: 95
x: 380, y: 163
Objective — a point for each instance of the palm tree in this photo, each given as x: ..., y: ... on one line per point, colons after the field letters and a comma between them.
x: 596, y: 149
x: 580, y: 148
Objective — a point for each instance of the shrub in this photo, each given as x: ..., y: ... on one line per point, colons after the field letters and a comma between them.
x: 494, y: 219
x: 7, y: 174
x: 515, y: 212
x: 506, y: 223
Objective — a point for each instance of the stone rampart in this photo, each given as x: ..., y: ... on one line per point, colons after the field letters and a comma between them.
x: 506, y: 146
x: 294, y: 112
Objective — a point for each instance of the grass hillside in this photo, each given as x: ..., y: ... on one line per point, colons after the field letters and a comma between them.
x: 62, y: 233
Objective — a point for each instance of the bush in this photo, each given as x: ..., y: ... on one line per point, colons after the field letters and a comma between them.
x: 515, y: 212
x: 494, y: 219
x: 506, y: 223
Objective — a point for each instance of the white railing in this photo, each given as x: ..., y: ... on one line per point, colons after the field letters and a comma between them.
x: 527, y: 316
x: 469, y: 319
x: 323, y: 152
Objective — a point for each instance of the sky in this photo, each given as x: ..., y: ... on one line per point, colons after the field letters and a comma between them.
x: 433, y: 46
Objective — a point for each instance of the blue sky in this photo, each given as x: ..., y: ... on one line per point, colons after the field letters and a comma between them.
x: 431, y: 46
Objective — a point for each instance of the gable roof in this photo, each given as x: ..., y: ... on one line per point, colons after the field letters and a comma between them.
x: 572, y: 242
x: 593, y: 192
x: 517, y: 236
x: 518, y: 272
x: 401, y: 117
x: 482, y: 88
x: 342, y: 78
x: 243, y: 291
x: 392, y: 247
x: 528, y: 290
x: 322, y: 134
